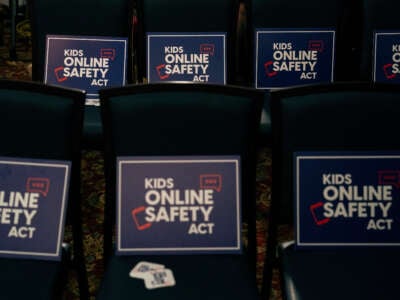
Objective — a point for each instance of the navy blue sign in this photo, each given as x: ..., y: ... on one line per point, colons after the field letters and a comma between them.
x: 197, y: 57
x: 178, y: 205
x: 347, y: 199
x: 86, y: 63
x: 33, y: 201
x: 386, y: 57
x: 288, y: 57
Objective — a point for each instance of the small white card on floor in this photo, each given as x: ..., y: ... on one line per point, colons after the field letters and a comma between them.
x: 141, y: 268
x: 159, y: 278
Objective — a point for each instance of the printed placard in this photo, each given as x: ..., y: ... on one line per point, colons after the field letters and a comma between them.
x: 33, y: 202
x: 290, y: 57
x: 386, y: 66
x: 88, y: 63
x: 178, y: 205
x: 189, y: 57
x: 347, y: 199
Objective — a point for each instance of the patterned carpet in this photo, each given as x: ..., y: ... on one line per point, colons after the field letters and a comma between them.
x: 93, y: 180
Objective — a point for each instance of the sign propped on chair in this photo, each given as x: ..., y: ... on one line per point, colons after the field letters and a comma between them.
x: 290, y: 57
x: 347, y: 199
x: 386, y: 65
x: 33, y: 201
x: 178, y: 205
x: 189, y: 57
x: 88, y: 63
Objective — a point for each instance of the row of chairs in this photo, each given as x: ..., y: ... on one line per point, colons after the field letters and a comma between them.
x: 354, y: 22
x: 41, y: 121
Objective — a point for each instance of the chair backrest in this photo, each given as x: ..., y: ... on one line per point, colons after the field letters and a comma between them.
x: 339, y: 15
x: 179, y: 16
x: 180, y: 120
x: 336, y: 117
x: 89, y: 17
x: 46, y: 117
x: 375, y: 17
x: 39, y: 121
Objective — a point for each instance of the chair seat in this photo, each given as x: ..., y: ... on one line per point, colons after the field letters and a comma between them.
x: 197, y: 277
x: 356, y: 273
x: 31, y: 279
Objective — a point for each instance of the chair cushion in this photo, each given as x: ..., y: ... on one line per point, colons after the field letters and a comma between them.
x: 356, y: 273
x: 197, y: 277
x: 30, y: 279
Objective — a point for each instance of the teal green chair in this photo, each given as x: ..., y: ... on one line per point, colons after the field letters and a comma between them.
x: 182, y: 120
x: 342, y: 16
x: 339, y: 15
x: 44, y: 122
x: 330, y: 118
x: 375, y: 17
x: 75, y: 17
x: 178, y: 16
